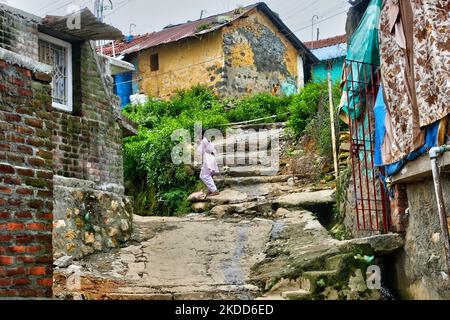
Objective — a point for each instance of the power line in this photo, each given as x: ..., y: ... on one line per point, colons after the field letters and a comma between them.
x: 312, y: 4
x: 67, y: 4
x: 120, y: 5
x: 48, y: 6
x: 320, y: 21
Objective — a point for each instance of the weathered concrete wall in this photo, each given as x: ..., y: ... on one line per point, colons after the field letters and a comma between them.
x: 257, y: 56
x: 182, y: 65
x: 248, y: 57
x: 421, y: 266
x: 26, y: 180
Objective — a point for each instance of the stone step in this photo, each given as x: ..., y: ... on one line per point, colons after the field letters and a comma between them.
x: 248, y: 137
x: 308, y: 280
x: 202, y: 292
x: 251, y: 192
x: 252, y: 171
x: 306, y: 199
x: 275, y: 125
x: 296, y: 295
x: 242, y: 181
x: 245, y: 158
x: 335, y: 262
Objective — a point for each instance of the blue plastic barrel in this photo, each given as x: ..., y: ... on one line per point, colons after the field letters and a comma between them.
x: 124, y: 87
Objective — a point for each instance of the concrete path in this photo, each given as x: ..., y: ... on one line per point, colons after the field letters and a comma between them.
x: 255, y: 232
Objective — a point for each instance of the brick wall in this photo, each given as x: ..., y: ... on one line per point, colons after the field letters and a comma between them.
x: 88, y: 144
x: 26, y: 183
x: 18, y: 31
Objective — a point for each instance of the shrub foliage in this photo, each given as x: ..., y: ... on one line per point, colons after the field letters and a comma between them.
x: 160, y: 187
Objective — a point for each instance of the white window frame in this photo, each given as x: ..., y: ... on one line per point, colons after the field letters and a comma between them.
x: 68, y: 47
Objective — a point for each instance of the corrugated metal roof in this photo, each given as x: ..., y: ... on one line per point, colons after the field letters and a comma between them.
x: 91, y: 28
x: 201, y: 27
x: 326, y: 42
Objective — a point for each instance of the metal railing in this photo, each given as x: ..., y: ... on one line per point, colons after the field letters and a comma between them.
x: 371, y: 200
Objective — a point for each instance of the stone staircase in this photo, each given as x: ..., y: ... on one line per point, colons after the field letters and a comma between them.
x: 302, y: 260
x: 250, y: 182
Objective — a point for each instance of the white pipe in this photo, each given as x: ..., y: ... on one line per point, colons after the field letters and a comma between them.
x: 434, y: 153
x: 333, y: 127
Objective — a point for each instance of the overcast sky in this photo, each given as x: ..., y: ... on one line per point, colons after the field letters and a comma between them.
x: 153, y: 15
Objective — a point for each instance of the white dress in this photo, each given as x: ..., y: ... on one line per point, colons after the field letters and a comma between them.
x: 210, y: 167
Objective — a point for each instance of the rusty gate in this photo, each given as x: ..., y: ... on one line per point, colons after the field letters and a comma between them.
x: 371, y: 200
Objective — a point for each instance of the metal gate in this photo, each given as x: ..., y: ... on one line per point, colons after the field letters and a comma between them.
x: 371, y: 201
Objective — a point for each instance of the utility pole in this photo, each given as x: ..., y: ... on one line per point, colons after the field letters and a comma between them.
x: 333, y: 127
x: 132, y: 25
x: 315, y: 17
x: 99, y: 11
x: 202, y: 13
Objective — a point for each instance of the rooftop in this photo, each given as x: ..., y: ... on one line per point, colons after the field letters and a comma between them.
x: 200, y: 27
x: 329, y: 48
x: 326, y: 42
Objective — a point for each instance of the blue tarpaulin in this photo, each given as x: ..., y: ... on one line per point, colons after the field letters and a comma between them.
x: 363, y: 48
x: 431, y: 138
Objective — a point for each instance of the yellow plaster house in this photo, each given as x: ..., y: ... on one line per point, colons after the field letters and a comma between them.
x: 238, y: 53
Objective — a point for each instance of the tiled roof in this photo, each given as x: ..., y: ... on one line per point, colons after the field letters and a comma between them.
x: 326, y: 42
x: 201, y: 27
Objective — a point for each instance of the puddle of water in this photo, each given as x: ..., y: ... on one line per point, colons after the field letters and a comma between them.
x: 231, y: 268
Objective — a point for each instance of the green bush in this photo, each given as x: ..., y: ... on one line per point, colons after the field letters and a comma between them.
x: 310, y: 115
x: 259, y: 106
x: 304, y: 106
x: 159, y: 186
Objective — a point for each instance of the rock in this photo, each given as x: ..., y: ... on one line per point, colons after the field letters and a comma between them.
x: 63, y: 262
x: 291, y: 182
x: 229, y: 196
x: 299, y: 200
x: 344, y: 155
x: 331, y: 294
x: 59, y: 224
x: 200, y: 207
x: 221, y: 211
x: 112, y: 232
x: 357, y: 282
x: 381, y: 244
x: 197, y: 197
x: 124, y: 226
x: 89, y: 238
x: 281, y: 213
x: 296, y: 295
x: 284, y: 285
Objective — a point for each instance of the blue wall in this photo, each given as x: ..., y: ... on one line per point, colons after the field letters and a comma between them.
x: 320, y: 71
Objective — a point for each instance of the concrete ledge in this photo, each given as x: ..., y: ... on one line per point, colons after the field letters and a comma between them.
x: 24, y: 62
x: 74, y: 183
x: 420, y: 169
x: 381, y: 244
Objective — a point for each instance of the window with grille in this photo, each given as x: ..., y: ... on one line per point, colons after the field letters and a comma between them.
x: 58, y: 54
